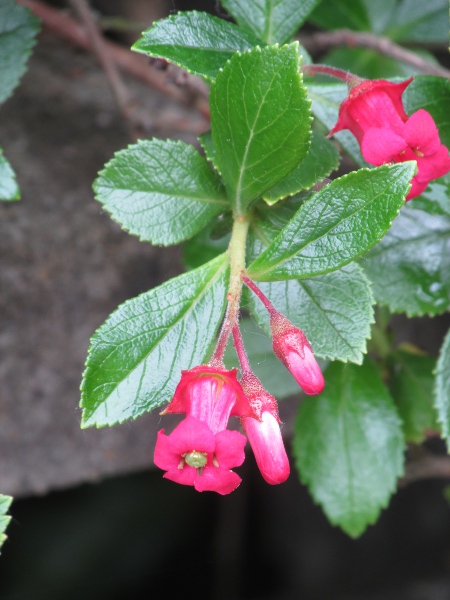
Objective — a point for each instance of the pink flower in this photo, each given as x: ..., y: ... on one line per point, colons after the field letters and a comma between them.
x: 264, y: 432
x: 291, y: 346
x: 193, y: 455
x: 374, y: 113
x: 210, y: 394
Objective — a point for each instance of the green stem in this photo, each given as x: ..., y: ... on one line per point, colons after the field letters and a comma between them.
x: 236, y: 251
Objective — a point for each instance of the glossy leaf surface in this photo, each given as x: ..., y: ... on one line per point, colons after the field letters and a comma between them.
x: 162, y: 191
x: 274, y: 21
x: 9, y: 190
x: 349, y: 446
x: 341, y: 222
x: 410, y: 267
x: 334, y: 311
x: 321, y: 160
x: 260, y: 121
x: 442, y: 393
x: 5, y: 503
x: 195, y: 41
x: 412, y: 382
x: 136, y: 356
x: 18, y: 30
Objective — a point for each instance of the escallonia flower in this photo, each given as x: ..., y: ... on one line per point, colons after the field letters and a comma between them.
x: 210, y: 394
x: 201, y: 451
x: 193, y: 455
x: 264, y: 432
x: 291, y: 346
x: 374, y: 113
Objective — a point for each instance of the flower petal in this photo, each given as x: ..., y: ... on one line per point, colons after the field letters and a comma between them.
x: 416, y: 189
x: 164, y: 457
x: 217, y: 480
x: 230, y: 449
x: 432, y: 167
x: 380, y: 144
x: 421, y: 133
x: 184, y: 476
x: 191, y: 434
x: 268, y: 447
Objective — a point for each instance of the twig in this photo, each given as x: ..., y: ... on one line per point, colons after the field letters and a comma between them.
x: 98, y: 45
x: 428, y: 466
x: 135, y: 64
x: 344, y: 37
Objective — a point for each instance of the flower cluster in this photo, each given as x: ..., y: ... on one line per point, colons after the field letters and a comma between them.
x: 374, y: 113
x: 201, y: 451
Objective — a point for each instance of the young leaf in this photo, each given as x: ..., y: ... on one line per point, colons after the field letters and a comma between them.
x: 18, y: 30
x: 5, y: 503
x: 260, y: 121
x: 326, y: 99
x: 410, y: 267
x: 195, y: 41
x: 136, y: 356
x: 442, y: 393
x: 266, y: 366
x: 412, y: 383
x: 419, y: 21
x: 334, y: 310
x: 341, y: 222
x: 160, y: 190
x: 322, y: 158
x: 274, y: 21
x: 349, y: 446
x: 433, y: 95
x: 9, y: 190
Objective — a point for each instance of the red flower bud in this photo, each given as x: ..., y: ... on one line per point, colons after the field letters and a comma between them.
x: 291, y: 346
x: 264, y: 432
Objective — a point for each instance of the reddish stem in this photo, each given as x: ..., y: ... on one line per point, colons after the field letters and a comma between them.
x: 240, y: 351
x: 350, y: 79
x: 255, y: 289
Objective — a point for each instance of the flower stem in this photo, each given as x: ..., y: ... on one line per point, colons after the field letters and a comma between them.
x: 350, y: 79
x: 255, y: 289
x: 240, y: 350
x: 236, y: 251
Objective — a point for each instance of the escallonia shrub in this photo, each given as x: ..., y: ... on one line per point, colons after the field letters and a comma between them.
x: 306, y: 261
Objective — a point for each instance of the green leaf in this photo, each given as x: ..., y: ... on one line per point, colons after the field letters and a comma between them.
x: 423, y: 22
x: 349, y: 446
x: 162, y: 191
x: 412, y: 383
x: 136, y: 356
x: 432, y: 94
x: 9, y: 190
x: 442, y: 391
x: 372, y: 65
x: 410, y: 267
x: 204, y: 247
x: 5, y: 503
x: 274, y: 21
x: 326, y: 100
x: 18, y: 30
x: 260, y: 121
x: 334, y: 310
x: 266, y: 366
x: 321, y: 160
x: 342, y: 221
x: 195, y: 41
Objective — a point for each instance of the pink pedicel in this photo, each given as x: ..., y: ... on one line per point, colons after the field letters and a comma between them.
x: 374, y: 113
